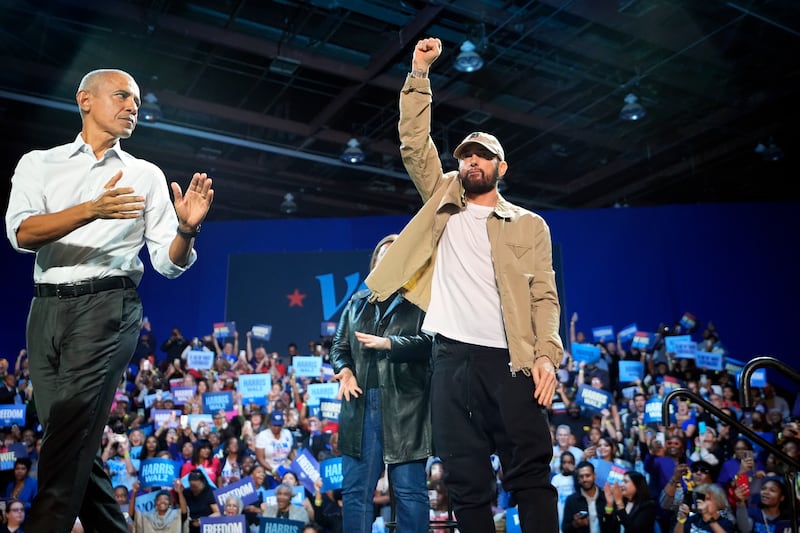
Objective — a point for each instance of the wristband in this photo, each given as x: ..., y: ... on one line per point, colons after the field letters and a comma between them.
x: 608, y: 509
x: 189, y: 234
x: 417, y: 73
x: 682, y: 520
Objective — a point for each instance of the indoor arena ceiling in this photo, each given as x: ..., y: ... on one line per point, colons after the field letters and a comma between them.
x: 265, y: 96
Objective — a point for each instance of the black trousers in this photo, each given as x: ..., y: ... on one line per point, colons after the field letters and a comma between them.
x: 78, y: 349
x: 479, y: 408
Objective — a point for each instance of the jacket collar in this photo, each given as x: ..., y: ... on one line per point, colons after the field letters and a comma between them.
x: 455, y: 196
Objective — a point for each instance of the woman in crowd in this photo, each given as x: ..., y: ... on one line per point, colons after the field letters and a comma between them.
x: 24, y: 487
x: 199, y: 500
x: 15, y: 517
x: 711, y: 507
x: 633, y: 508
x: 772, y: 506
x: 231, y: 466
x: 607, y: 451
x: 202, y: 457
x: 284, y: 507
x: 150, y: 448
x: 163, y: 518
x: 233, y: 505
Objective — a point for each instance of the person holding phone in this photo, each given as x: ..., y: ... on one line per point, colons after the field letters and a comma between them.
x: 584, y: 509
x: 709, y: 513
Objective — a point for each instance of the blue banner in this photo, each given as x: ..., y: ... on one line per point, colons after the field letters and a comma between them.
x: 223, y: 524
x: 603, y: 333
x: 199, y: 359
x: 157, y: 473
x: 245, y: 488
x: 318, y: 391
x: 279, y: 525
x: 757, y: 379
x: 12, y: 413
x: 643, y: 340
x: 146, y: 502
x: 331, y: 472
x: 9, y: 457
x: 512, y: 520
x: 630, y: 371
x: 182, y: 394
x: 592, y: 398
x: 671, y: 342
x: 585, y: 353
x: 254, y: 388
x: 709, y: 360
x: 306, y: 468
x: 223, y: 330
x: 652, y: 411
x: 217, y: 401
x: 626, y: 334
x: 307, y: 365
x: 329, y: 409
x: 262, y: 332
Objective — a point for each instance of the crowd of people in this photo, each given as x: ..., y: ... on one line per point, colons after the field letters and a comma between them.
x: 612, y: 468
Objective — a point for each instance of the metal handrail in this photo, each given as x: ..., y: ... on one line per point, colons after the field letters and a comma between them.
x: 794, y: 464
x: 757, y: 362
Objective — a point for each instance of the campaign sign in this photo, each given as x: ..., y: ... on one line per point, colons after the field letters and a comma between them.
x: 671, y: 382
x: 630, y: 371
x: 254, y: 388
x: 195, y: 419
x: 652, y: 411
x: 757, y: 379
x: 626, y: 334
x: 157, y: 473
x: 592, y: 398
x: 244, y: 488
x: 279, y: 525
x: 307, y: 469
x: 307, y: 365
x: 317, y: 391
x: 217, y: 401
x: 146, y: 502
x: 601, y: 470
x: 629, y: 392
x: 685, y: 349
x: 512, y: 520
x: 688, y: 320
x: 150, y: 399
x: 182, y: 394
x: 642, y: 340
x: 709, y: 360
x: 733, y: 365
x: 185, y: 478
x: 327, y: 371
x: 223, y: 524
x: 261, y: 332
x: 200, y: 359
x: 585, y: 353
x: 331, y: 472
x: 616, y: 475
x: 603, y: 333
x: 671, y: 341
x: 12, y: 413
x: 8, y: 458
x: 166, y: 418
x: 223, y: 330
x: 328, y: 329
x: 329, y: 409
x: 298, y: 495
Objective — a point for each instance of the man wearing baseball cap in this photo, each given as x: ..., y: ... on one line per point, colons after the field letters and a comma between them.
x: 273, y: 446
x: 481, y: 268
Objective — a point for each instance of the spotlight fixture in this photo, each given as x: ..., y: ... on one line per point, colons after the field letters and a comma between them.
x: 150, y: 111
x: 468, y: 60
x: 632, y: 110
x: 288, y: 206
x: 769, y: 151
x: 353, y: 153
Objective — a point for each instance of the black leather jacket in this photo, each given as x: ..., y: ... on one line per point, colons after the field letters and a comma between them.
x: 403, y: 374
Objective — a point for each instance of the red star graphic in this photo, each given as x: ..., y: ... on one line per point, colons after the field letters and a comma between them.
x: 296, y: 298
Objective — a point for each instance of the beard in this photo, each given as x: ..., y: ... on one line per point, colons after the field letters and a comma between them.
x: 475, y: 181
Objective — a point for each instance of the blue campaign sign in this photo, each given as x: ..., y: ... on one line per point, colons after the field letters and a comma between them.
x: 512, y: 520
x: 245, y: 488
x: 603, y: 333
x: 643, y: 340
x: 167, y: 418
x: 709, y: 360
x: 199, y: 359
x: 262, y: 332
x: 592, y: 398
x: 672, y: 340
x: 182, y: 394
x: 630, y: 371
x: 279, y: 525
x: 254, y: 388
x: 8, y: 458
x: 228, y: 524
x: 317, y: 391
x: 157, y: 473
x: 652, y: 411
x: 12, y: 413
x: 585, y: 353
x: 626, y: 334
x: 685, y: 349
x: 329, y: 409
x: 757, y: 379
x: 331, y: 472
x: 307, y: 365
x: 223, y: 330
x: 216, y: 401
x: 306, y: 468
x: 146, y: 502
x: 688, y: 320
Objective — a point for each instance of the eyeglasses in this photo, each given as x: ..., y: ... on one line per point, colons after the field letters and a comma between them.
x: 17, y: 510
x: 701, y: 471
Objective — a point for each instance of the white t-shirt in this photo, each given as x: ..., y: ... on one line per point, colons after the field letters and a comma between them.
x: 276, y: 450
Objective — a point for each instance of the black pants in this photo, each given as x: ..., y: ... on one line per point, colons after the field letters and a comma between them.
x: 78, y: 349
x: 479, y: 408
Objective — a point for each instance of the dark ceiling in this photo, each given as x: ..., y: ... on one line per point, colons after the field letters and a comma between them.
x: 265, y: 95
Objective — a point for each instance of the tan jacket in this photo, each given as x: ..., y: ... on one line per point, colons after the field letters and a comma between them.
x: 519, y: 239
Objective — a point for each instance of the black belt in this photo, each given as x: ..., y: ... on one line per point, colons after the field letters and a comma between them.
x: 73, y: 290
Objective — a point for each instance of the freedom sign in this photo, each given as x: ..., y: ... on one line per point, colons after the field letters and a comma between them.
x: 307, y: 469
x: 223, y: 524
x: 245, y: 488
x: 12, y: 413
